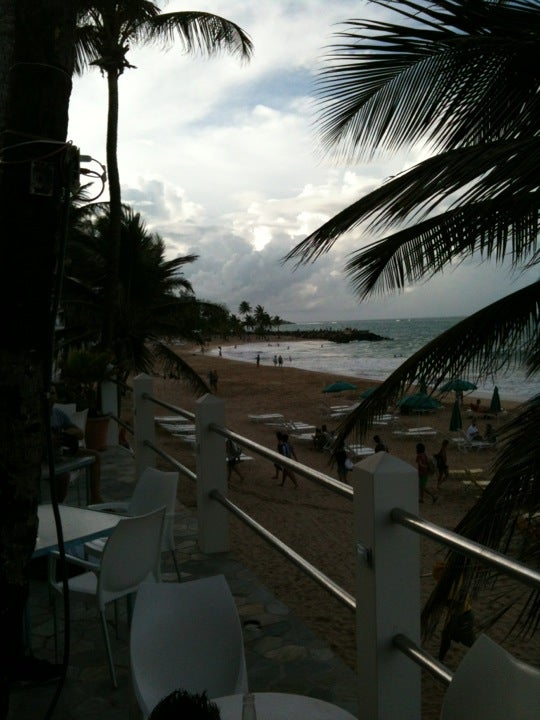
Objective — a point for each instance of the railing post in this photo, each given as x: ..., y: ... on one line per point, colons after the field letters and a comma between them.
x: 109, y: 404
x: 143, y: 417
x: 387, y: 588
x: 213, y: 518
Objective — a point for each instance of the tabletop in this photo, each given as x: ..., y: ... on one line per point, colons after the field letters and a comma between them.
x: 278, y: 706
x: 78, y: 526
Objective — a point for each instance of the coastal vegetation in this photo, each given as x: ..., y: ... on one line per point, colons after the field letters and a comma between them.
x: 105, y: 33
x: 155, y: 302
x: 459, y: 78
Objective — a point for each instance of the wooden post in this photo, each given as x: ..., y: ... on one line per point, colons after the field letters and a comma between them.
x: 143, y: 423
x: 387, y: 588
x: 211, y: 473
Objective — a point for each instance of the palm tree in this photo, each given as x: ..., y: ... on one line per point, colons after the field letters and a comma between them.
x: 244, y: 308
x: 155, y: 301
x: 249, y: 321
x: 277, y: 322
x: 36, y: 64
x: 107, y: 31
x: 459, y: 76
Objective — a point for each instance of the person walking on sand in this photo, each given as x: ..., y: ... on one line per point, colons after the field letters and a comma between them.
x: 424, y: 471
x: 442, y: 463
x: 285, y: 448
x: 258, y: 359
x: 233, y: 453
x: 278, y: 468
x: 341, y: 457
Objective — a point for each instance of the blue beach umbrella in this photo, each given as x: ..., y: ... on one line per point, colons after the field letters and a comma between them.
x: 420, y: 401
x: 458, y: 385
x: 339, y: 386
x: 368, y: 392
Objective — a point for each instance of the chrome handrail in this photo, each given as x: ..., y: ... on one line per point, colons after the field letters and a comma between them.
x: 335, y: 485
x: 338, y: 592
x: 526, y: 575
x: 168, y: 406
x: 424, y: 659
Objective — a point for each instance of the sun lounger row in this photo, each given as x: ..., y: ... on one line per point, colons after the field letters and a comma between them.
x: 265, y: 418
x: 417, y: 432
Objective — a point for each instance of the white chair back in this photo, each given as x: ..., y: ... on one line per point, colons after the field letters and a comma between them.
x: 491, y: 684
x: 132, y: 554
x: 156, y: 488
x: 186, y: 635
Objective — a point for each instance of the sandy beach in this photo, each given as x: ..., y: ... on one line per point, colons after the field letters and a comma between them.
x: 317, y: 523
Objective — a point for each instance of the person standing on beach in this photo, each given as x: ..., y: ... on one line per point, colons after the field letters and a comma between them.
x: 379, y: 445
x: 340, y: 457
x: 233, y: 453
x: 278, y: 468
x: 423, y: 465
x: 285, y: 448
x: 258, y: 359
x: 442, y: 463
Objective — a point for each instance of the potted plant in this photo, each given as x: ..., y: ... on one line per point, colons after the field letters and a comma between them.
x: 82, y: 371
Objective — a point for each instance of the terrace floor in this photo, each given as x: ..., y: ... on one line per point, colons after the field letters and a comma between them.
x: 282, y: 655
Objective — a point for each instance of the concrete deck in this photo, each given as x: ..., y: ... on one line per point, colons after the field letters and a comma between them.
x: 281, y: 653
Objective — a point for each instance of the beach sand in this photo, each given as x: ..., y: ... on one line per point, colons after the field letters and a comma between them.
x: 317, y: 523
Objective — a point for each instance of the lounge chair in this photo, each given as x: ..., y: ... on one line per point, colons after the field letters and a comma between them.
x: 268, y: 417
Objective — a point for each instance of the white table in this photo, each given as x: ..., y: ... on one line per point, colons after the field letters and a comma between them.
x: 282, y: 706
x: 78, y: 526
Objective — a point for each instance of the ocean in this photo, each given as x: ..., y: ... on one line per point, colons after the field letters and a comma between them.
x: 372, y: 360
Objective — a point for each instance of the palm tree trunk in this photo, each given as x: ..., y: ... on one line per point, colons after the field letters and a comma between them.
x: 37, y: 62
x: 115, y: 212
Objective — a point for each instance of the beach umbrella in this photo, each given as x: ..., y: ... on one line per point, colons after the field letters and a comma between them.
x: 458, y: 385
x: 339, y: 386
x: 495, y: 405
x: 368, y: 392
x: 455, y: 418
x: 420, y: 401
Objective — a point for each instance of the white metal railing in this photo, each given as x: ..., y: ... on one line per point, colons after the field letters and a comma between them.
x: 385, y: 504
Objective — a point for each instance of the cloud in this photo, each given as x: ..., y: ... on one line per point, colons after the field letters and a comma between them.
x: 223, y: 160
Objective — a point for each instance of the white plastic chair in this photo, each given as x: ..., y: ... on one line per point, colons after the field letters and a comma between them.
x: 155, y: 488
x: 120, y: 571
x: 491, y: 684
x: 186, y: 635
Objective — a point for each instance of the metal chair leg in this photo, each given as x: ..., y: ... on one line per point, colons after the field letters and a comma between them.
x: 108, y: 647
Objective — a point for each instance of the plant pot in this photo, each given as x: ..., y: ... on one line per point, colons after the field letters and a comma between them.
x: 96, y: 432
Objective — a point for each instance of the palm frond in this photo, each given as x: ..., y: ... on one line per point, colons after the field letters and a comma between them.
x: 172, y: 366
x: 499, y: 519
x: 492, y: 194
x: 488, y: 342
x: 457, y: 73
x: 198, y: 31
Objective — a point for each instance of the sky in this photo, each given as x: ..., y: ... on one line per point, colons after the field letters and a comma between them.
x: 223, y: 160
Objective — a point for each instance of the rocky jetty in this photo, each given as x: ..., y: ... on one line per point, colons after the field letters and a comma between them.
x: 338, y: 336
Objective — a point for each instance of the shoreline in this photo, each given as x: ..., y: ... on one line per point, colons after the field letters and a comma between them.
x: 212, y: 350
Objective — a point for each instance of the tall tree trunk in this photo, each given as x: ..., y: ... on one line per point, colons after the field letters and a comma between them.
x: 115, y: 213
x: 33, y: 187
